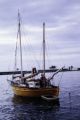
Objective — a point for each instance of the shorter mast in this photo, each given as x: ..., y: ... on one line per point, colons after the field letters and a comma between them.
x: 44, y: 49
x: 19, y: 32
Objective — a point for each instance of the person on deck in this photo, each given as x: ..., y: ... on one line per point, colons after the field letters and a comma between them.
x: 43, y: 81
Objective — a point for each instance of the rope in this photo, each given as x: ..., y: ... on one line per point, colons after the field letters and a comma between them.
x: 60, y: 79
x: 30, y: 48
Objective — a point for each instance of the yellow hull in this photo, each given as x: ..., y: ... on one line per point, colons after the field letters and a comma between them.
x: 33, y: 92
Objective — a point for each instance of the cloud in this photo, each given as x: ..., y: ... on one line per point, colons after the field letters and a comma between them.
x: 62, y: 18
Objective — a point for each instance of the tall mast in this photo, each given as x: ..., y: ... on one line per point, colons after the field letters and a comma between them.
x: 44, y: 49
x: 19, y: 33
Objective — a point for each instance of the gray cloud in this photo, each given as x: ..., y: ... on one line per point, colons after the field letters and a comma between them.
x: 62, y: 19
x: 35, y: 11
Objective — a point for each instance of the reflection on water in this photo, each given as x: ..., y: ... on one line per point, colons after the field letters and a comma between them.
x: 27, y: 100
x: 34, y: 108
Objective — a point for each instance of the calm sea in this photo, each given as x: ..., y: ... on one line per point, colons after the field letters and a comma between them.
x: 67, y: 108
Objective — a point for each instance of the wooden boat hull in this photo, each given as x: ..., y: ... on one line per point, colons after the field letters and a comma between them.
x: 35, y: 92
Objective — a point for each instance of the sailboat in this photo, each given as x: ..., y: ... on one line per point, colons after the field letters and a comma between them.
x: 30, y: 86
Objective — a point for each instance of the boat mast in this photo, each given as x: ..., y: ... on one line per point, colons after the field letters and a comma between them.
x: 19, y: 33
x: 44, y: 49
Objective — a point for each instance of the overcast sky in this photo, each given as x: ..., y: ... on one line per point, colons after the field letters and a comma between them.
x: 62, y: 18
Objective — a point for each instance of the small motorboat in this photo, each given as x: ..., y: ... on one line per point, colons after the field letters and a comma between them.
x: 49, y: 97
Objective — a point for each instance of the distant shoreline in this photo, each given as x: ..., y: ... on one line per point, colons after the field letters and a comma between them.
x: 40, y: 71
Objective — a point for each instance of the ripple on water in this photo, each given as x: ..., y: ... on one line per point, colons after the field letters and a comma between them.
x: 67, y: 108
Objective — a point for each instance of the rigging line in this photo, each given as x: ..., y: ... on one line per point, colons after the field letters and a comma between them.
x: 41, y: 56
x: 47, y: 55
x: 60, y: 79
x: 15, y: 56
x: 22, y: 37
x: 30, y: 48
x: 10, y: 64
x: 15, y: 65
x: 20, y: 43
x: 24, y: 49
x: 23, y: 44
x: 16, y: 49
x: 35, y: 58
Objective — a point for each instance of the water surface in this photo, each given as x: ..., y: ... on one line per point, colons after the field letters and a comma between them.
x: 67, y: 108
